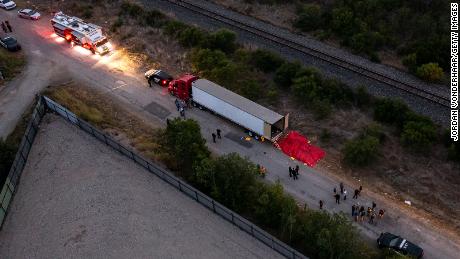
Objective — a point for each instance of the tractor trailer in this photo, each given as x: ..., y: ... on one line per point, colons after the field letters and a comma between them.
x: 203, y: 93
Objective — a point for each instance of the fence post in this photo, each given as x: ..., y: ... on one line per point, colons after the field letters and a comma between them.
x: 196, y: 195
x: 180, y: 186
x: 132, y: 156
x: 233, y: 221
x: 213, y: 206
x: 105, y: 139
x: 252, y: 230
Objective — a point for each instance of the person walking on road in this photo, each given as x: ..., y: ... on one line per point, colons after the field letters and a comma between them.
x: 373, y: 205
x: 335, y: 190
x: 297, y: 169
x: 344, y: 194
x: 218, y: 133
x: 321, y: 203
x: 4, y: 28
x: 353, y: 209
x: 381, y: 212
x: 290, y: 172
x: 360, y: 189
x: 362, y: 213
x: 356, y: 194
x: 341, y: 187
x: 182, y: 112
x: 213, y: 137
x: 371, y: 220
x: 337, y: 198
x: 177, y: 104
x: 8, y: 26
x: 295, y: 174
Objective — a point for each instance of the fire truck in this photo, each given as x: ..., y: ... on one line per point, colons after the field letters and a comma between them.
x: 78, y: 32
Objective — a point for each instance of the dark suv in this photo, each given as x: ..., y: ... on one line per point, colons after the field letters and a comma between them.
x: 399, y: 244
x: 158, y: 77
x: 10, y: 44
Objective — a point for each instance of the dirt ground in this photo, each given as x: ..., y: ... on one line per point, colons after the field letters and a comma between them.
x: 427, y: 180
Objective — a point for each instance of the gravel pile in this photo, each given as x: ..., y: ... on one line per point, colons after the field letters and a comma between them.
x: 81, y: 199
x: 436, y: 112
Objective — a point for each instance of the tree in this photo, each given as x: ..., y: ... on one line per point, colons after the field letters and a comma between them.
x: 309, y: 17
x: 431, y: 72
x: 361, y: 151
x: 418, y: 135
x: 191, y: 37
x: 286, y: 73
x: 185, y: 143
x: 266, y: 61
x: 251, y: 89
x: 343, y: 21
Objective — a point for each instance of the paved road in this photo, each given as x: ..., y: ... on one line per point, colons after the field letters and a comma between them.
x: 51, y: 60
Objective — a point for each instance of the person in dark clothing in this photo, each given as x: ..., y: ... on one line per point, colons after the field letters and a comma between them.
x: 177, y: 104
x: 182, y: 112
x: 341, y: 187
x: 362, y: 213
x: 4, y: 27
x: 218, y: 134
x: 371, y: 220
x: 290, y: 172
x: 213, y: 137
x: 353, y: 209
x: 337, y: 198
x: 344, y: 194
x: 321, y: 203
x: 381, y: 212
x: 295, y: 174
x: 168, y: 121
x: 360, y: 189
x: 297, y: 169
x: 356, y: 194
x: 373, y: 205
x: 8, y: 26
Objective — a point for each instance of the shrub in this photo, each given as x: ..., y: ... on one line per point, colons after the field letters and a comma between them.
x: 361, y: 151
x: 325, y: 136
x: 418, y: 135
x: 117, y: 24
x: 226, y: 75
x: 272, y: 95
x: 191, y: 37
x: 362, y: 97
x: 266, y: 61
x: 431, y: 72
x: 390, y: 111
x: 174, y: 28
x: 321, y: 109
x: 206, y: 59
x: 309, y: 17
x: 251, y: 89
x: 374, y: 130
x: 410, y: 61
x: 153, y: 18
x: 286, y: 73
x: 131, y: 9
x: 223, y: 40
x: 184, y: 142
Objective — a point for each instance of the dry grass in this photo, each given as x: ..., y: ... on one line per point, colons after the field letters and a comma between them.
x: 124, y: 126
x: 11, y: 64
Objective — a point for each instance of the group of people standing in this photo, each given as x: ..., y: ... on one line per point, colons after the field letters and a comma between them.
x: 294, y: 172
x: 181, y: 105
x: 6, y: 27
x: 359, y: 213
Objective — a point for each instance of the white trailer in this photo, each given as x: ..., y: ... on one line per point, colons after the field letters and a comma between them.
x: 240, y: 110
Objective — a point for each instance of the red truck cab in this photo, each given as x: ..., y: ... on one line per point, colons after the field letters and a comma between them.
x: 182, y: 86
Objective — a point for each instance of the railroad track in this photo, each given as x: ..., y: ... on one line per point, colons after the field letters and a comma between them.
x: 316, y: 53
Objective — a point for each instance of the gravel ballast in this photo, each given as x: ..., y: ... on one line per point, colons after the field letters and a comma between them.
x: 78, y: 198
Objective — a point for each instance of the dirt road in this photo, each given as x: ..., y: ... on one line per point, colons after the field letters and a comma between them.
x: 51, y: 60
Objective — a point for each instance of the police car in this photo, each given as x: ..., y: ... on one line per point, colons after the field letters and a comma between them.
x: 399, y: 244
x: 158, y: 77
x: 7, y: 4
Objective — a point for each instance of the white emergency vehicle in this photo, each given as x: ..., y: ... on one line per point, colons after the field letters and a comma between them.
x: 87, y: 35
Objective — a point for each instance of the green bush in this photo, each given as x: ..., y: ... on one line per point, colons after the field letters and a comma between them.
x: 184, y: 142
x: 117, y: 24
x: 431, y: 72
x: 153, y: 18
x: 418, y: 135
x: 375, y: 130
x: 131, y: 9
x: 362, y: 97
x: 309, y: 17
x: 251, y: 89
x: 410, y: 61
x: 286, y: 73
x: 266, y: 61
x: 191, y: 37
x: 272, y: 95
x: 321, y: 109
x: 223, y: 40
x: 361, y: 151
x: 174, y: 28
x: 206, y: 59
x: 390, y: 111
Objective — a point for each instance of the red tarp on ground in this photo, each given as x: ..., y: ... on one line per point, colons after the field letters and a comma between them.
x: 297, y: 146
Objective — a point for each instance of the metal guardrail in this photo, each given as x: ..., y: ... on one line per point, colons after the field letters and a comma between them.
x: 20, y: 160
x: 168, y: 177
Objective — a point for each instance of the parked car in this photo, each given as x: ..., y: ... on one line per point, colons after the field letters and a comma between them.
x: 158, y: 77
x: 399, y: 244
x: 7, y: 4
x: 29, y: 14
x: 10, y: 43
